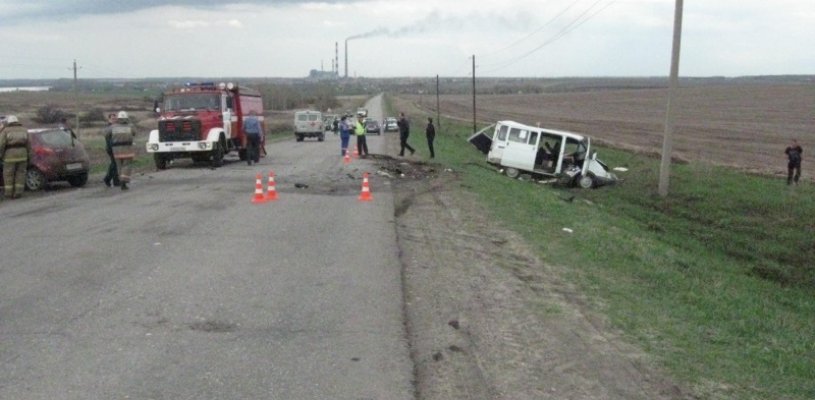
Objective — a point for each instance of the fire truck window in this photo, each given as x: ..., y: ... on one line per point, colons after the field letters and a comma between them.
x: 229, y: 102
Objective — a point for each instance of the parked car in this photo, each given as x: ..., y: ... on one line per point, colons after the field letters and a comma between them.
x: 53, y: 155
x: 372, y: 126
x: 391, y: 125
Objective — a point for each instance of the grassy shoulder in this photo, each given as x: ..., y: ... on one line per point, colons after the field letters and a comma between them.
x: 716, y: 281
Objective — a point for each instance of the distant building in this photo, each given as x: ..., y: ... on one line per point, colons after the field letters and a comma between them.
x: 322, y: 75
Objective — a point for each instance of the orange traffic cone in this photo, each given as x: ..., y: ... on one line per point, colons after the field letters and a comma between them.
x: 258, y: 197
x: 346, y: 159
x: 366, y: 190
x: 356, y: 153
x: 271, y: 191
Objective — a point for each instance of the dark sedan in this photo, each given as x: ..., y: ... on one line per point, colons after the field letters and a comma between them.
x: 54, y: 155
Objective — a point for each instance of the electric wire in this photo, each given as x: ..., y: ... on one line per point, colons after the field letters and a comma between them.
x: 545, y: 25
x: 576, y: 23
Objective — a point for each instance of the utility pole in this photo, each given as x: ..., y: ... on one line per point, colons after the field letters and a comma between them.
x: 76, y: 100
x: 438, y: 110
x: 667, y: 143
x: 475, y: 128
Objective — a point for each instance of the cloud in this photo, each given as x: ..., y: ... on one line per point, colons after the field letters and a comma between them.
x: 12, y: 12
x: 195, y: 24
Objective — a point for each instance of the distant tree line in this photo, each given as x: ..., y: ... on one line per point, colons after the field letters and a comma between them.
x: 320, y: 96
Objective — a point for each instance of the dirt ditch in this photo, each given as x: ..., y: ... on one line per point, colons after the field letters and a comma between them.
x: 486, y: 319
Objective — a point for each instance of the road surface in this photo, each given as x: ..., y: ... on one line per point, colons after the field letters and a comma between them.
x: 181, y: 288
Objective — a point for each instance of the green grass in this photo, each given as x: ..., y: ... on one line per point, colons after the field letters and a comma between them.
x: 715, y: 281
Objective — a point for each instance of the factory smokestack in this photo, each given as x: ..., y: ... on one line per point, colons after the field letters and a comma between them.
x: 346, y: 58
x: 337, y: 58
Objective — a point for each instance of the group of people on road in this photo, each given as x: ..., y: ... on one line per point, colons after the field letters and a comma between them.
x: 346, y: 128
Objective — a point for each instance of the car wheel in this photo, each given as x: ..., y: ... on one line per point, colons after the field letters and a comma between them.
x: 34, y: 180
x: 512, y: 172
x: 585, y: 182
x: 161, y: 161
x: 299, y: 138
x: 321, y: 138
x: 78, y: 180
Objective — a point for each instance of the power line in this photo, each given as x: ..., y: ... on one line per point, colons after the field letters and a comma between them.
x: 576, y: 23
x: 553, y: 19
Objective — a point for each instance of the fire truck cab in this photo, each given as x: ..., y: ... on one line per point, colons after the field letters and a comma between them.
x: 204, y: 121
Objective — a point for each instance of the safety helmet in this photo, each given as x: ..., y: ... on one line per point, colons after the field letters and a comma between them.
x: 12, y: 119
x: 122, y: 115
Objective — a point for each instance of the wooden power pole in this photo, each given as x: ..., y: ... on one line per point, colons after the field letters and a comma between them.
x: 438, y: 110
x: 667, y: 143
x: 475, y: 128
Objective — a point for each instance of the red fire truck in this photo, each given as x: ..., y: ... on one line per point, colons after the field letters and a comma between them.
x: 204, y: 121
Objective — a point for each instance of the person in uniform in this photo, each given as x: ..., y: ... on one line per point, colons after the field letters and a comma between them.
x: 362, y: 142
x: 112, y: 175
x: 14, y: 151
x: 345, y: 134
x: 119, y: 138
x: 253, y: 130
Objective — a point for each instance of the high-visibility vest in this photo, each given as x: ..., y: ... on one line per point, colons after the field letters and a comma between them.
x: 359, y: 129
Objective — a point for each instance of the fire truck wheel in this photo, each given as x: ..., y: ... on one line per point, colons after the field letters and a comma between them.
x: 218, y: 155
x: 161, y: 161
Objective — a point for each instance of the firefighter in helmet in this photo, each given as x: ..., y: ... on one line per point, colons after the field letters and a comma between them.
x: 120, y: 136
x: 14, y: 152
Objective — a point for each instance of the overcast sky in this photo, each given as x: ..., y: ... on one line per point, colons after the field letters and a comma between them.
x: 515, y: 38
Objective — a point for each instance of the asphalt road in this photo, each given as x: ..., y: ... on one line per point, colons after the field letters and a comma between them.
x: 181, y: 288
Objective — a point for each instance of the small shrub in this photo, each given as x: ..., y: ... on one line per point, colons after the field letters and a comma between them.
x: 50, y: 114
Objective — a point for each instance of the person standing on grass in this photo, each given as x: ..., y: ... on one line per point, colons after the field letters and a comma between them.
x: 793, y: 153
x: 430, y: 131
x: 404, y: 132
